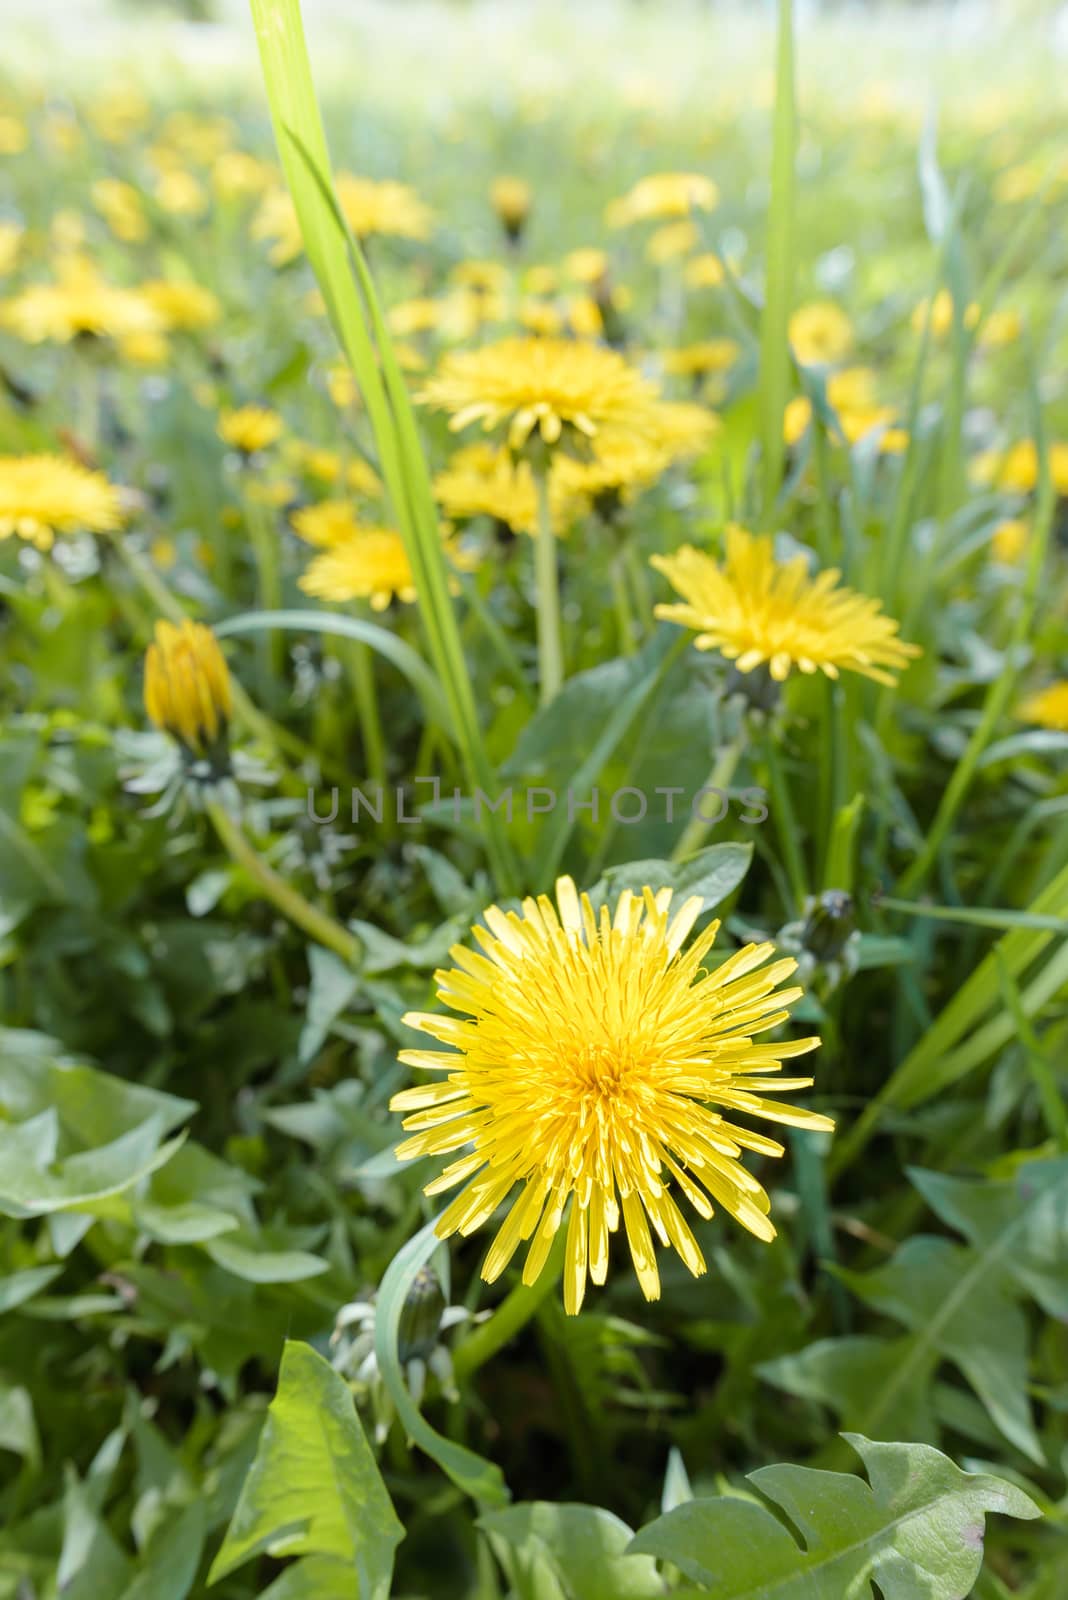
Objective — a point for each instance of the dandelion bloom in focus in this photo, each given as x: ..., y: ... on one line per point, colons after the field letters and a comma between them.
x: 754, y: 609
x: 250, y: 428
x: 42, y: 495
x: 1048, y: 708
x: 188, y: 693
x: 524, y: 384
x: 594, y: 1062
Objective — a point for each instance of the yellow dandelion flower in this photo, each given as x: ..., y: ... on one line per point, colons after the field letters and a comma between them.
x: 594, y: 1063
x: 415, y: 316
x: 704, y: 272
x: 120, y: 206
x: 42, y: 495
x: 250, y: 428
x: 370, y: 208
x: 541, y: 280
x: 81, y: 302
x: 694, y: 360
x: 511, y: 199
x: 754, y: 609
x: 663, y: 195
x: 180, y: 304
x: 484, y: 481
x: 180, y: 194
x: 587, y: 265
x: 523, y: 384
x: 1001, y: 328
x: 1010, y: 540
x: 820, y: 333
x: 188, y: 693
x: 1048, y: 708
x: 144, y: 349
x: 326, y: 524
x: 671, y: 241
x: 1016, y: 470
x: 235, y: 175
x: 941, y: 313
x: 370, y: 564
x: 540, y: 316
x: 584, y: 316
x: 484, y: 277
x: 330, y: 467
x: 796, y: 418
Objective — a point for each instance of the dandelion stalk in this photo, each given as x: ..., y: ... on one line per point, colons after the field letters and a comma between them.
x: 361, y: 672
x: 318, y: 925
x: 550, y: 648
x: 621, y: 601
x: 264, y: 539
x: 698, y: 828
x: 786, y: 823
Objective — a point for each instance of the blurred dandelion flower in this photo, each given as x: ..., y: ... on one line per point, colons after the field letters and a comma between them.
x: 663, y: 195
x: 694, y: 360
x: 484, y: 481
x: 820, y: 333
x: 81, y: 302
x: 593, y: 1062
x: 1016, y: 470
x: 188, y: 693
x: 182, y: 305
x: 1048, y: 708
x: 1010, y: 540
x: 511, y: 199
x: 368, y: 563
x: 250, y: 428
x: 369, y: 207
x: 120, y: 206
x: 549, y: 385
x: 42, y: 495
x: 754, y: 609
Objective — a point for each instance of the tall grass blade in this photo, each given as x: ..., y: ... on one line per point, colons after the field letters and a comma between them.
x: 780, y: 274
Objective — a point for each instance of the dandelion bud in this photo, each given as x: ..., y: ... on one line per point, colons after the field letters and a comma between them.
x: 511, y: 199
x: 187, y: 685
x: 420, y: 1317
x: 830, y: 924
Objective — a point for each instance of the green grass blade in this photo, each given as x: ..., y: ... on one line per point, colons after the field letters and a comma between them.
x: 780, y: 274
x: 357, y: 320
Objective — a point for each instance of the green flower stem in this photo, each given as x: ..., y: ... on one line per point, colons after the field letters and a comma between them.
x: 621, y: 601
x: 512, y: 1315
x: 639, y: 578
x: 786, y: 823
x: 264, y: 537
x: 362, y: 673
x: 318, y: 925
x: 698, y: 828
x: 550, y: 648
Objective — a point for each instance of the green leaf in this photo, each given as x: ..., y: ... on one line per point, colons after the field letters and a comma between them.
x: 33, y: 1182
x: 169, y: 1567
x: 314, y: 1487
x: 713, y: 873
x: 18, y: 1430
x: 333, y: 984
x: 247, y: 1257
x: 18, y: 1287
x: 843, y: 1374
x: 569, y: 1552
x: 381, y: 640
x: 477, y: 1477
x: 916, y: 1531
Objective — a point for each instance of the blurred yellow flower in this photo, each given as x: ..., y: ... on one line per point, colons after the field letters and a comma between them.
x: 188, y: 693
x: 511, y: 199
x: 671, y: 241
x: 81, y: 302
x: 1010, y: 540
x: 540, y: 316
x: 45, y: 495
x: 1048, y: 708
x: 370, y: 208
x: 942, y: 315
x: 250, y: 428
x: 13, y: 136
x: 704, y: 272
x: 694, y: 360
x: 181, y: 304
x: 587, y: 265
x: 181, y: 194
x: 120, y: 206
x: 236, y: 175
x: 482, y: 480
x: 369, y: 564
x: 1016, y: 470
x: 632, y: 1051
x: 325, y: 524
x: 663, y: 195
x: 11, y: 235
x: 329, y: 466
x: 820, y: 333
x: 754, y: 609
